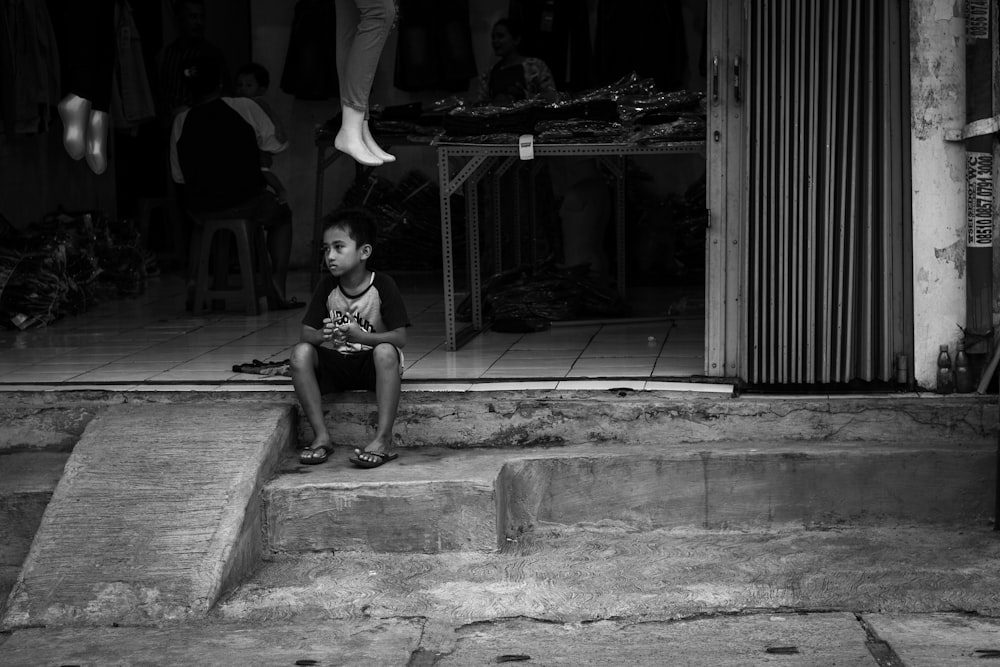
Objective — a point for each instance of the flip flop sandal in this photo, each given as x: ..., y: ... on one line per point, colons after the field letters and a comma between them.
x: 261, y: 367
x: 382, y: 458
x: 308, y: 457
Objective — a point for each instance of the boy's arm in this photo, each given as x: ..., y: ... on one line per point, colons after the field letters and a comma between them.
x: 316, y: 336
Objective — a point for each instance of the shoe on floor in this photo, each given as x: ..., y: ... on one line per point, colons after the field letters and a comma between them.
x: 380, y: 459
x: 315, y: 455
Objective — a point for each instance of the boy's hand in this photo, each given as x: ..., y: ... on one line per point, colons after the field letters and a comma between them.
x: 350, y: 331
x: 330, y: 331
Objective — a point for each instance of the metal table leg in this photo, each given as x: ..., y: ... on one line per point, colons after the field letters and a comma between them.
x: 448, y: 187
x: 616, y: 165
x: 498, y: 173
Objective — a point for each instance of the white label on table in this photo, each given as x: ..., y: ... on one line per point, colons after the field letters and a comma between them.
x: 526, y: 146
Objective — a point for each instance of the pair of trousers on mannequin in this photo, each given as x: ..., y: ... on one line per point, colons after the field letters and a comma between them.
x: 362, y: 29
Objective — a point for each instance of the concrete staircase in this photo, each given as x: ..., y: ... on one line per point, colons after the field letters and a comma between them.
x: 483, y: 476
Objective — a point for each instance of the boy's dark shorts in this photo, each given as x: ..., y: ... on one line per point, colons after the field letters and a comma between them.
x: 344, y: 372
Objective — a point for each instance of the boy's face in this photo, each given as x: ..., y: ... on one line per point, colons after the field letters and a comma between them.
x: 247, y: 86
x: 341, y: 253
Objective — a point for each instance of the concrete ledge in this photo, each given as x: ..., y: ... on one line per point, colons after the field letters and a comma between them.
x: 156, y: 515
x: 745, y: 488
x: 426, y: 501
x: 47, y: 420
x: 321, y: 642
x: 530, y: 418
x: 26, y: 485
x: 27, y: 481
x: 938, y: 639
x: 432, y: 499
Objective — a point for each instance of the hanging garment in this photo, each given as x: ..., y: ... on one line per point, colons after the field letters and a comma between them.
x: 310, y: 71
x: 86, y: 35
x: 29, y: 67
x: 558, y: 32
x: 434, y: 49
x: 648, y: 38
x: 132, y: 98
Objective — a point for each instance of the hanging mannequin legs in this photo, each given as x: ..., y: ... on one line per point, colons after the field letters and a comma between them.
x: 373, y: 146
x: 350, y: 138
x: 75, y: 114
x: 85, y: 132
x: 97, y: 141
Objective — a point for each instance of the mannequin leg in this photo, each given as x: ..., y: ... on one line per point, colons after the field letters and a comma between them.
x: 362, y: 29
x: 372, y: 145
x: 97, y: 141
x: 75, y: 114
x: 350, y: 137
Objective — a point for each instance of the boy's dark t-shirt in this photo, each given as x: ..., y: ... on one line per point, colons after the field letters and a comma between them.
x: 377, y: 308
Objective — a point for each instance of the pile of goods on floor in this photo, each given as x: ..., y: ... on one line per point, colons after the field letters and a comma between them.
x: 409, y: 213
x: 67, y: 263
x: 527, y: 298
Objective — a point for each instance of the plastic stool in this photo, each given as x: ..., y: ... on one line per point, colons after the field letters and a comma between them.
x: 169, y: 217
x: 251, y: 250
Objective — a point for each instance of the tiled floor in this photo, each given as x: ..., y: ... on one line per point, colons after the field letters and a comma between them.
x: 150, y: 342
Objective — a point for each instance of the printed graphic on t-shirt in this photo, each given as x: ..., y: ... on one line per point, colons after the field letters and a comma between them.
x: 378, y: 308
x: 365, y: 309
x: 342, y: 317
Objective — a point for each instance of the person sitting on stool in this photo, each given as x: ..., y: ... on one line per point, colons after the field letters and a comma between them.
x: 214, y: 156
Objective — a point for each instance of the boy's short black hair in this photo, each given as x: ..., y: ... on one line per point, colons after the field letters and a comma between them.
x: 258, y: 71
x: 359, y: 223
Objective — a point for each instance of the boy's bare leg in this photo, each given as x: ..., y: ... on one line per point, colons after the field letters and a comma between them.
x: 387, y: 388
x: 304, y: 361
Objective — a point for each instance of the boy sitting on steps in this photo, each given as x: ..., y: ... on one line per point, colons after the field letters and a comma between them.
x: 351, y: 337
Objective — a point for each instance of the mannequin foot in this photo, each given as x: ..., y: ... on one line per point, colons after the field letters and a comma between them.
x: 74, y: 112
x: 97, y: 141
x: 373, y: 146
x: 352, y: 143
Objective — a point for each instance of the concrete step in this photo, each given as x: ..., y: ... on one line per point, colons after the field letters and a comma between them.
x: 27, y: 480
x: 922, y: 595
x: 531, y: 418
x: 579, y: 574
x: 157, y: 513
x: 34, y: 421
x: 433, y: 500
x: 477, y: 471
x: 727, y: 640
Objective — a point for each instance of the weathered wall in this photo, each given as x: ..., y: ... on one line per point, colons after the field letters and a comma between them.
x: 937, y: 82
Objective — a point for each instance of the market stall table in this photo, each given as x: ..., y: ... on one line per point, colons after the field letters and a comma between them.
x: 474, y: 162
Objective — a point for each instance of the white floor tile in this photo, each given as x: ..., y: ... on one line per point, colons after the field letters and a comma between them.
x: 516, y: 385
x: 150, y: 341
